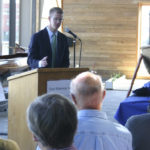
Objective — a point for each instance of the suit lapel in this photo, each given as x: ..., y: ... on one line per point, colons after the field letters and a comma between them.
x: 47, y: 40
x: 58, y: 51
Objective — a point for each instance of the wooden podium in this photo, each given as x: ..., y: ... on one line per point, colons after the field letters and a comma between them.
x: 23, y: 89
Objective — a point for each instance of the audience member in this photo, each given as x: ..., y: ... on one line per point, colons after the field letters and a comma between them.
x: 7, y: 144
x: 139, y: 125
x: 95, y: 131
x: 52, y: 119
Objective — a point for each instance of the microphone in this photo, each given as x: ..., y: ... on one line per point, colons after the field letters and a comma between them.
x: 76, y: 37
x: 70, y: 32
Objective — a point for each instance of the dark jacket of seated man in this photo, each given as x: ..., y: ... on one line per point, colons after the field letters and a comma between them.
x: 139, y: 125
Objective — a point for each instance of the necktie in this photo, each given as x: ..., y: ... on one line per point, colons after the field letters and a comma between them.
x: 53, y: 49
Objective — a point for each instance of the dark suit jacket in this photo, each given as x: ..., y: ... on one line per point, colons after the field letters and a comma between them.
x: 139, y: 126
x: 40, y: 47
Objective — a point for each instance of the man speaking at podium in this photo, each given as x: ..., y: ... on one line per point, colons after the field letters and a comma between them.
x: 48, y: 48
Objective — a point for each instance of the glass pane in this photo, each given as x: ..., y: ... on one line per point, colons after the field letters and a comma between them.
x: 145, y: 36
x: 5, y: 27
x: 46, y: 7
x: 145, y: 26
x: 17, y: 20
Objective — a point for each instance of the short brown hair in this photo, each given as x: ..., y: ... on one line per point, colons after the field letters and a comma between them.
x: 55, y: 9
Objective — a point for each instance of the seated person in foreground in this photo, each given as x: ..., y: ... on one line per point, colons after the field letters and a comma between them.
x: 139, y: 125
x: 7, y: 144
x: 52, y: 119
x: 95, y: 131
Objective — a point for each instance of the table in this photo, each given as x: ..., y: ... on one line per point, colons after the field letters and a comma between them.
x: 133, y: 105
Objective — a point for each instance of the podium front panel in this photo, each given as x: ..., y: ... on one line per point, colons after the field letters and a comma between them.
x: 23, y: 89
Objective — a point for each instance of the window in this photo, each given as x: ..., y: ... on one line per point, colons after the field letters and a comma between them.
x: 17, y: 20
x: 143, y: 34
x: 5, y: 27
x: 145, y: 25
x: 5, y: 33
x: 45, y: 13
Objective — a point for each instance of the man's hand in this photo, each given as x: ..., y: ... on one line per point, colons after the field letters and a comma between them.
x: 43, y: 62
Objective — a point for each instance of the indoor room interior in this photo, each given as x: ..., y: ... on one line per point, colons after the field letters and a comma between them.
x: 113, y: 40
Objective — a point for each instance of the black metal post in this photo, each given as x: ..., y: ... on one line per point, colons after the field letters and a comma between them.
x: 74, y: 45
x: 12, y: 25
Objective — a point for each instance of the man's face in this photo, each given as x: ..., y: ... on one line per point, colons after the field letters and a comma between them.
x: 55, y: 21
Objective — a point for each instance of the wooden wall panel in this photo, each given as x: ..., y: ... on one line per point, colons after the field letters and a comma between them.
x: 108, y: 29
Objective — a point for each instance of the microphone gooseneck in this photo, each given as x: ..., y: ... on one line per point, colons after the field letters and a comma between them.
x: 70, y: 32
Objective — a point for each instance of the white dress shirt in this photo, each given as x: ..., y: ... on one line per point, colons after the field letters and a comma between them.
x: 96, y: 132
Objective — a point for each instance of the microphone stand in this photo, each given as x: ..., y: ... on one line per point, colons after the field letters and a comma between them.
x: 80, y: 52
x: 74, y: 47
